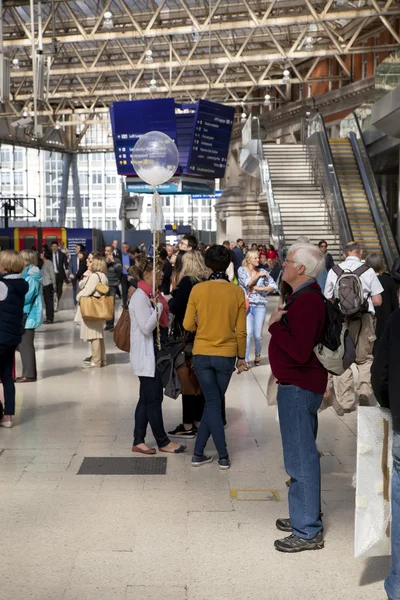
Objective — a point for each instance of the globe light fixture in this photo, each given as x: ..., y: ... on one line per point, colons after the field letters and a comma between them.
x: 153, y: 85
x: 286, y: 76
x: 108, y: 22
x: 309, y: 43
x: 267, y: 99
x: 15, y: 63
x: 148, y: 56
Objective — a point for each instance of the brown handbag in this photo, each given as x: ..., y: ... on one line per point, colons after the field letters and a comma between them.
x: 97, y: 309
x: 122, y: 332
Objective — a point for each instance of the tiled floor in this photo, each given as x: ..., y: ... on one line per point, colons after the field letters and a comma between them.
x: 180, y: 536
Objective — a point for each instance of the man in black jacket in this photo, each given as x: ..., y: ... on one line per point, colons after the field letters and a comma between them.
x: 385, y: 379
x: 238, y: 254
x: 60, y: 265
x: 114, y: 272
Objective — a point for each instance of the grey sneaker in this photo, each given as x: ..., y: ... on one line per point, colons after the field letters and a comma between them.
x: 286, y: 525
x: 88, y: 360
x: 197, y: 461
x: 224, y: 463
x: 294, y: 544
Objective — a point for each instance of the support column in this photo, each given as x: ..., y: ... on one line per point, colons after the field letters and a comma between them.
x: 76, y: 190
x: 398, y: 206
x: 64, y: 189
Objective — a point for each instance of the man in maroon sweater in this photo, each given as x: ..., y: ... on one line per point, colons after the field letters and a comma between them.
x: 302, y: 382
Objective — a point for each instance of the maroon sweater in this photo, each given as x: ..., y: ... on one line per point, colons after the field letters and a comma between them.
x: 291, y: 353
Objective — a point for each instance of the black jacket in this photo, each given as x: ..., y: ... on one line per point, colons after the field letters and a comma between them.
x: 165, y: 286
x: 12, y: 302
x: 329, y: 262
x: 180, y: 298
x: 385, y: 371
x: 114, y: 272
x: 238, y: 258
x: 389, y: 303
x: 62, y: 265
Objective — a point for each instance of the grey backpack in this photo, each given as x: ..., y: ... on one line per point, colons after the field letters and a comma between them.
x: 350, y: 293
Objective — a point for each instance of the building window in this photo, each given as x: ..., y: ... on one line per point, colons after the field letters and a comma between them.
x: 5, y: 178
x: 97, y: 178
x: 111, y: 179
x: 18, y: 178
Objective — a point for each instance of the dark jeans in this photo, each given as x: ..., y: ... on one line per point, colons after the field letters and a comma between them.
x: 148, y: 410
x: 192, y: 408
x: 48, y: 294
x: 392, y: 583
x: 112, y: 292
x: 214, y: 374
x: 74, y: 289
x: 124, y: 287
x: 7, y: 354
x: 298, y: 419
x: 28, y: 355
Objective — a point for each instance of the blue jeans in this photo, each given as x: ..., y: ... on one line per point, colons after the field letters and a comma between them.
x: 214, y: 374
x: 298, y: 420
x: 254, y: 325
x: 392, y: 583
x: 149, y: 410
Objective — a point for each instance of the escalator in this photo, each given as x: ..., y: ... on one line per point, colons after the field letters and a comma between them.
x: 356, y: 207
x: 354, y: 196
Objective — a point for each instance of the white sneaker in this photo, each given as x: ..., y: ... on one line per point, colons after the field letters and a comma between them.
x: 8, y: 424
x: 90, y: 365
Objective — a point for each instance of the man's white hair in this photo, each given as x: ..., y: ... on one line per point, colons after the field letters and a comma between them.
x: 310, y: 256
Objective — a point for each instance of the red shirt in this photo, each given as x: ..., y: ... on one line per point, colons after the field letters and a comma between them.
x: 291, y: 353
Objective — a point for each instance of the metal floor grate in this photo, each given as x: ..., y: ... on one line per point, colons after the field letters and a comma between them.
x: 114, y: 465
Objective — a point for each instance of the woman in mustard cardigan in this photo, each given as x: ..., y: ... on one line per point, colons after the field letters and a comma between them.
x: 216, y: 311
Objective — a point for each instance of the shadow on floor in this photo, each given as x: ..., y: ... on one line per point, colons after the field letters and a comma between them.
x: 118, y: 358
x: 31, y: 413
x: 59, y: 371
x: 376, y: 569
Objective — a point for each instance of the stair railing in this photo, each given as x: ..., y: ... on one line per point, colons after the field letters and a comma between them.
x: 321, y: 162
x: 274, y: 211
x: 380, y: 216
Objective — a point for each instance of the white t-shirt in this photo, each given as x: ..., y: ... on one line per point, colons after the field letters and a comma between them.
x: 369, y: 280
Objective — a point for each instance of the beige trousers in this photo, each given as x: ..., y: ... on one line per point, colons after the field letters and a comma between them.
x: 99, y: 353
x: 362, y: 332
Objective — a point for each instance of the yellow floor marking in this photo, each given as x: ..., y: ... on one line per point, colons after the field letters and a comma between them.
x: 268, y: 495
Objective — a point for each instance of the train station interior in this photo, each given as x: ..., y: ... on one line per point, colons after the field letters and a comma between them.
x: 278, y: 123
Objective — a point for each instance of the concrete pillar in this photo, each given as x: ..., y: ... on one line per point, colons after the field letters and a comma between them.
x: 76, y: 190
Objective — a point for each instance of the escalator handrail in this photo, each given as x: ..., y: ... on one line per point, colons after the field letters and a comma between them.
x: 380, y: 227
x: 274, y: 210
x: 345, y: 231
x: 382, y: 203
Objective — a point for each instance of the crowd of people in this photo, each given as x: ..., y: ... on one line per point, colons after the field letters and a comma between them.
x: 213, y: 302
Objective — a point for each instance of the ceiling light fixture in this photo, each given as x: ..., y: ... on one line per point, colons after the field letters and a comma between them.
x: 309, y: 43
x: 267, y: 99
x: 153, y: 85
x: 25, y: 112
x: 108, y: 22
x: 243, y: 117
x: 15, y: 63
x: 286, y: 76
x: 148, y: 56
x: 58, y: 125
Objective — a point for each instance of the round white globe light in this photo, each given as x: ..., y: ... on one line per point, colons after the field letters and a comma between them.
x: 155, y: 158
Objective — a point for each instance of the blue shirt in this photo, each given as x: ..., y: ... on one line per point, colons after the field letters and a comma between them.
x: 259, y: 298
x: 126, y: 263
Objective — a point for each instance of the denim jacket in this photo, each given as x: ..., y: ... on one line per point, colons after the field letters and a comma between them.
x: 259, y: 298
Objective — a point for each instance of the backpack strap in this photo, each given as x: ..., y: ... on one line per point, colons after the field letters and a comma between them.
x: 336, y: 269
x: 361, y: 270
x: 302, y: 291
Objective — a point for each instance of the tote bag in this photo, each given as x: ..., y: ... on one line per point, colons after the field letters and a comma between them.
x: 97, y: 309
x: 122, y: 332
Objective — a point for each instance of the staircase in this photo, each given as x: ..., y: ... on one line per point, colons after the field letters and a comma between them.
x: 303, y: 208
x: 354, y: 196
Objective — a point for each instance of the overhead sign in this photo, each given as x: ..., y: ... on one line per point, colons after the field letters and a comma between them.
x: 211, y: 138
x: 175, y: 186
x: 130, y: 120
x: 201, y: 131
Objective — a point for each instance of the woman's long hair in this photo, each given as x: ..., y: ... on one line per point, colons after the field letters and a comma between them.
x: 193, y: 266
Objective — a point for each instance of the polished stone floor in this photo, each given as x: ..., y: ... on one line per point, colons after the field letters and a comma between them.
x: 192, y: 534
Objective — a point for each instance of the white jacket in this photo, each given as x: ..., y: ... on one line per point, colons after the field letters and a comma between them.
x: 143, y: 322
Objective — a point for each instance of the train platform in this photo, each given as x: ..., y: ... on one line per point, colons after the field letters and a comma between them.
x: 188, y: 534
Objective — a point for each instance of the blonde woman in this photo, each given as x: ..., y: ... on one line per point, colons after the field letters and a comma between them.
x: 257, y: 284
x: 92, y: 331
x: 193, y: 271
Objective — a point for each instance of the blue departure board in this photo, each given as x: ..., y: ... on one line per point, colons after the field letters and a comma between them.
x: 130, y: 120
x: 211, y: 138
x: 201, y: 131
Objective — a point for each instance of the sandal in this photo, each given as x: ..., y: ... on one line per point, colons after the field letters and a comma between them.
x: 257, y: 361
x: 177, y: 451
x: 141, y: 451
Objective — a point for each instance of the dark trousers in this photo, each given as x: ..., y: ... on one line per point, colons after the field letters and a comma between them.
x: 112, y: 292
x: 74, y: 289
x: 7, y: 354
x: 192, y: 408
x: 148, y: 410
x: 214, y: 374
x: 59, y: 285
x: 124, y: 287
x: 48, y: 294
x: 28, y: 356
